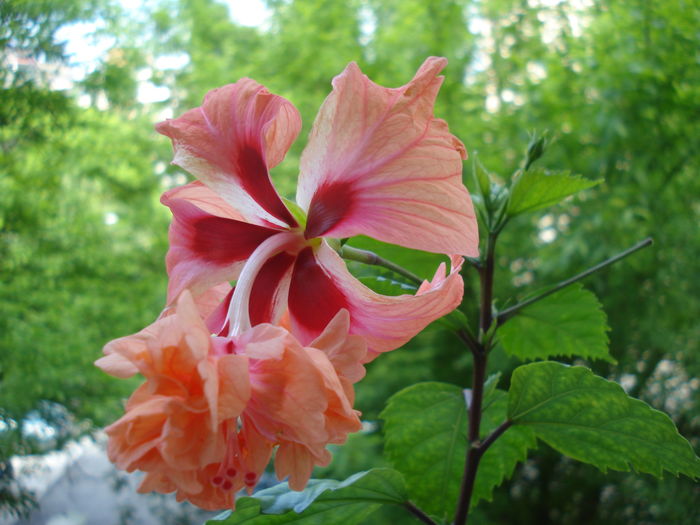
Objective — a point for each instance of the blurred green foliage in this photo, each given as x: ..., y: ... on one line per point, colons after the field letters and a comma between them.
x: 616, y: 83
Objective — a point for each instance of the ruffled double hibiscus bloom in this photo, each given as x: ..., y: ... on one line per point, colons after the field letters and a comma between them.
x: 232, y: 372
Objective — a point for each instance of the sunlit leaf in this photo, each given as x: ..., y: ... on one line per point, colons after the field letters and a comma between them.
x: 537, y: 188
x: 593, y: 420
x: 426, y: 439
x: 569, y: 322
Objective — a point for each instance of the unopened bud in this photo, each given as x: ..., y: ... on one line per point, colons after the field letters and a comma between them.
x: 536, y: 147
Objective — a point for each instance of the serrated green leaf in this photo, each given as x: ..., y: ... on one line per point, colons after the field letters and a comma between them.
x: 426, y: 439
x: 593, y: 420
x: 499, y: 461
x: 537, y: 188
x: 323, y: 502
x: 570, y: 322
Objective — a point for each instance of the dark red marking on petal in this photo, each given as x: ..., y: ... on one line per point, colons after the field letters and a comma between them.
x: 329, y: 205
x: 223, y: 241
x: 255, y: 179
x: 266, y: 286
x: 216, y: 322
x: 222, y: 345
x: 224, y: 330
x: 314, y: 299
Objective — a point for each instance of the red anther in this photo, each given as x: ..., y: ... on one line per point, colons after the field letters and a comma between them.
x: 231, y: 472
x: 217, y: 480
x: 250, y: 476
x: 227, y: 485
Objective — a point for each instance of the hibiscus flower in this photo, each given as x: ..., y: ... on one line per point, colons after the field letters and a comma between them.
x: 212, y: 409
x: 377, y: 163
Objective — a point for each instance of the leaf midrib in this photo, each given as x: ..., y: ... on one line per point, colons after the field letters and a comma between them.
x: 541, y: 403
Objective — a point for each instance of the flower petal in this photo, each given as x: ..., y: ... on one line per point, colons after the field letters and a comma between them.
x: 341, y: 419
x: 321, y: 285
x: 267, y: 298
x: 345, y: 352
x: 123, y: 357
x: 286, y: 386
x: 256, y: 451
x: 378, y: 163
x: 206, y: 249
x: 229, y: 143
x: 234, y: 386
x: 144, y: 351
x: 296, y: 461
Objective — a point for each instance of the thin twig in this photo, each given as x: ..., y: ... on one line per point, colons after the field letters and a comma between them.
x: 506, y: 314
x: 468, y: 339
x: 367, y: 257
x: 419, y: 513
x: 493, y: 436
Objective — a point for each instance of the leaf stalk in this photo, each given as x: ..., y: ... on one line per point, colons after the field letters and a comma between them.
x: 368, y: 257
x: 418, y: 513
x: 506, y: 314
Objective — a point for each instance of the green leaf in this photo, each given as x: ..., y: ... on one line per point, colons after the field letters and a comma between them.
x: 569, y: 322
x: 499, y: 461
x: 593, y: 420
x: 423, y: 264
x: 455, y: 320
x: 387, y: 286
x: 537, y: 188
x: 323, y: 502
x: 482, y: 178
x: 490, y: 386
x: 426, y: 439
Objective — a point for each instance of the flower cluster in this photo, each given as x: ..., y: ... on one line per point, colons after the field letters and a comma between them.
x: 233, y: 373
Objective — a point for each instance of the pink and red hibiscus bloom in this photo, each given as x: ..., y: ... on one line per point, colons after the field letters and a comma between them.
x: 377, y: 163
x: 212, y: 408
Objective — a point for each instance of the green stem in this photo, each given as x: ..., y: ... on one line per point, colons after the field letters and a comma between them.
x: 367, y: 257
x: 506, y: 314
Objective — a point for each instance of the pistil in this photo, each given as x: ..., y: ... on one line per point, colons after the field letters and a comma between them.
x: 238, y: 312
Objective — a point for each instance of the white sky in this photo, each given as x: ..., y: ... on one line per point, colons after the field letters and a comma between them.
x: 85, y: 50
x: 248, y: 12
